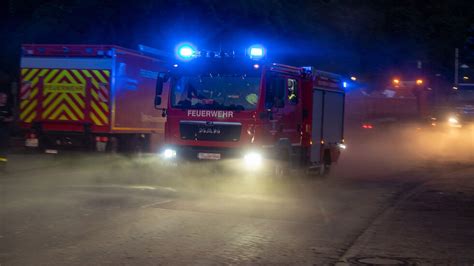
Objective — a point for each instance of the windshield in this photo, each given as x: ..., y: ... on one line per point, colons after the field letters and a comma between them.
x: 219, y: 92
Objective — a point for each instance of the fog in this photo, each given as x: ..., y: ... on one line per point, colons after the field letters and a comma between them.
x: 384, y: 152
x: 370, y: 154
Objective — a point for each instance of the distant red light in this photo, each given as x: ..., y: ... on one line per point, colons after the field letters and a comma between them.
x: 104, y: 139
x: 367, y: 126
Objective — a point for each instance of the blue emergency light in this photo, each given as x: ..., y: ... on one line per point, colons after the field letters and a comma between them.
x: 256, y: 52
x: 185, y: 51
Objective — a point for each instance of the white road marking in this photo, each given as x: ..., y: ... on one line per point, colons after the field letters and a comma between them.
x: 156, y: 203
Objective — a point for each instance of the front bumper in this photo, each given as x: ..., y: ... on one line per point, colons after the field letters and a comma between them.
x: 243, y: 159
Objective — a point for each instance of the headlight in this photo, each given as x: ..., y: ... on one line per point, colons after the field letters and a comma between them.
x: 253, y: 160
x: 342, y: 146
x: 453, y: 120
x: 169, y: 154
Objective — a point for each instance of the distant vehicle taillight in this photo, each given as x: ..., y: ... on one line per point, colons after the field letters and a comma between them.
x: 367, y: 126
x: 101, y: 139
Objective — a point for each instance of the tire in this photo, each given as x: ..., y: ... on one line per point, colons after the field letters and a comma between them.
x: 281, y: 167
x: 326, y: 169
x: 113, y: 145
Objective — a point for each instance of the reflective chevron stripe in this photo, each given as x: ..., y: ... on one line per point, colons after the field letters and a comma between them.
x: 63, y: 95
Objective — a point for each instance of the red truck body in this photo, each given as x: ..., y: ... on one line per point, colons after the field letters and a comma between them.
x: 296, y: 114
x: 81, y: 95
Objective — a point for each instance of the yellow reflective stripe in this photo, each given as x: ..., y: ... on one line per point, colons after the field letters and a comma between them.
x: 79, y: 76
x: 36, y: 79
x: 49, y: 98
x: 99, y: 75
x: 79, y: 100
x: 69, y: 77
x: 58, y: 77
x: 88, y: 74
x: 95, y: 95
x: 104, y: 106
x: 52, y: 106
x: 106, y: 73
x: 74, y: 106
x: 33, y: 93
x: 31, y: 117
x: 63, y: 117
x: 56, y: 112
x: 28, y: 109
x: 50, y: 75
x: 23, y: 104
x: 31, y: 74
x: 4, y: 160
x: 23, y: 71
x: 70, y: 113
x: 98, y: 111
x: 95, y: 120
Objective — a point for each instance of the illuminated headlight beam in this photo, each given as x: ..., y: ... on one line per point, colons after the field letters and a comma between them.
x: 169, y: 154
x: 253, y: 160
x: 453, y: 120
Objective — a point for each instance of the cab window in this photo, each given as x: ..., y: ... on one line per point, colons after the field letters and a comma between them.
x: 275, y: 94
x: 292, y: 91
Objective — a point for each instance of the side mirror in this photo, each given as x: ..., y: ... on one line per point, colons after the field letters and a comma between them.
x: 160, y: 79
x: 157, y: 102
x: 270, y: 114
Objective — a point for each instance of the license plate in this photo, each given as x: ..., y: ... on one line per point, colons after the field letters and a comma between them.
x: 31, y: 143
x: 209, y: 156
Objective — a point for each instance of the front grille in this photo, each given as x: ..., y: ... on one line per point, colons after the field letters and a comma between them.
x: 210, y: 131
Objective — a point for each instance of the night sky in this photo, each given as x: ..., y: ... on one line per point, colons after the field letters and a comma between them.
x: 362, y: 37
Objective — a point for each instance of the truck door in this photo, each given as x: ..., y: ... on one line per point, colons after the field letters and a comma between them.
x: 292, y: 118
x: 282, y: 100
x: 275, y: 103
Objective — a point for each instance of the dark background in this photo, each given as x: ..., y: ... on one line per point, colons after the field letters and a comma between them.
x: 353, y: 37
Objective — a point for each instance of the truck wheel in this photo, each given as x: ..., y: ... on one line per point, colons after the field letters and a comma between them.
x: 113, y: 145
x: 325, y: 169
x: 326, y: 165
x: 282, y: 163
x: 139, y: 143
x: 320, y: 170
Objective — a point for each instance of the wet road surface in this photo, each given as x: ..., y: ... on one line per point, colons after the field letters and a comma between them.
x: 115, y: 210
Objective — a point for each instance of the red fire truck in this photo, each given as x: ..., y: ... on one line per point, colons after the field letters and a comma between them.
x: 89, y: 96
x: 223, y: 106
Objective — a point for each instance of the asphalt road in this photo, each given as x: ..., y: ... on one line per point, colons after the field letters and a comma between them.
x: 376, y: 207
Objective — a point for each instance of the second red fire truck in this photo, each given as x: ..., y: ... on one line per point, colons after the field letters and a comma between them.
x: 223, y: 106
x: 89, y: 96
